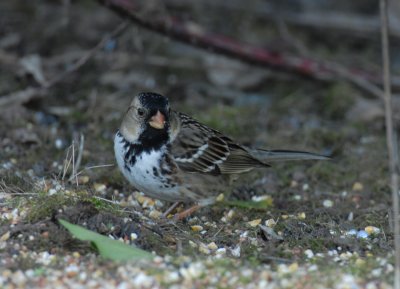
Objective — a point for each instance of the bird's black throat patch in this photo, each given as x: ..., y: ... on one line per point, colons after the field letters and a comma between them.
x: 151, y: 139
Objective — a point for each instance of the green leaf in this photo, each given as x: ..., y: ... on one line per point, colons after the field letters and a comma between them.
x: 260, y: 205
x: 107, y: 248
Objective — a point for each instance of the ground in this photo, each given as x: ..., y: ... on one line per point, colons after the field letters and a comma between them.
x: 321, y: 224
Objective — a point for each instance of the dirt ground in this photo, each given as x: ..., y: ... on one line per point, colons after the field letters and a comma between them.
x: 325, y: 224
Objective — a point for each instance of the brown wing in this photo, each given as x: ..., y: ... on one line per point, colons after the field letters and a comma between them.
x: 198, y: 148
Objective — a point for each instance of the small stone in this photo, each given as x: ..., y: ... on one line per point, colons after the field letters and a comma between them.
x: 371, y: 230
x: 301, y: 215
x: 76, y: 254
x: 196, y: 228
x: 154, y: 214
x: 5, y: 237
x: 351, y: 232
x: 360, y: 262
x: 99, y: 187
x: 284, y: 217
x: 350, y: 217
x: 220, y: 198
x: 362, y: 234
x: 254, y: 223
x: 212, y: 246
x: 83, y: 179
x: 59, y: 144
x: 220, y: 251
x: 309, y: 253
x: 204, y: 249
x: 236, y: 251
x: 357, y: 186
x: 133, y: 236
x: 297, y: 197
x: 306, y: 187
x: 293, y: 267
x: 327, y: 203
x: 193, y: 244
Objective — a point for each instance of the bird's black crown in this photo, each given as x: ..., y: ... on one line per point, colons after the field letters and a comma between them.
x: 153, y: 101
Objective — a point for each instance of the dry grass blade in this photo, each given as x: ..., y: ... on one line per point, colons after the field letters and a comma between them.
x: 391, y: 138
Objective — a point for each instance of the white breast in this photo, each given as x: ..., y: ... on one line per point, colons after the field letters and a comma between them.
x: 145, y: 174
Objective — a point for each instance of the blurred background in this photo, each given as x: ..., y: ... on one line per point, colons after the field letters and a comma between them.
x: 72, y: 67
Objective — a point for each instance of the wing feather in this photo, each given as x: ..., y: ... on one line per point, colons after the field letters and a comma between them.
x: 198, y: 148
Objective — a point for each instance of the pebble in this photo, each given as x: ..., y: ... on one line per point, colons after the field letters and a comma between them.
x: 220, y: 251
x: 309, y: 253
x: 362, y: 234
x: 212, y: 246
x: 204, y: 249
x: 270, y: 223
x: 236, y: 251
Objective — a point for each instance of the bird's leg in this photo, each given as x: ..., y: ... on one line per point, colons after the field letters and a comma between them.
x: 170, y: 209
x: 186, y: 213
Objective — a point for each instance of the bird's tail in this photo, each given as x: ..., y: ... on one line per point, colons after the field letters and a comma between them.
x: 285, y: 155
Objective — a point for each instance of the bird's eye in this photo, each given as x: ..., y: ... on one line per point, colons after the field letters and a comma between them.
x: 140, y: 111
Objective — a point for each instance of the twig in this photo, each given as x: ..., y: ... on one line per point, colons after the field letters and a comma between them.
x: 25, y: 95
x: 115, y: 33
x: 77, y: 163
x: 357, y: 25
x: 394, y: 166
x: 22, y: 96
x: 196, y: 36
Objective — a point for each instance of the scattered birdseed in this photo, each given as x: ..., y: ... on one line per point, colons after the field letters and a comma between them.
x: 254, y: 223
x: 193, y: 244
x: 212, y: 246
x: 297, y: 197
x: 220, y: 251
x: 236, y: 251
x: 204, y: 249
x: 99, y: 187
x: 154, y: 214
x: 83, y: 179
x: 270, y: 223
x: 306, y: 187
x: 309, y: 253
x: 301, y: 215
x: 357, y: 186
x: 220, y: 198
x: 196, y: 228
x: 371, y: 230
x: 327, y: 203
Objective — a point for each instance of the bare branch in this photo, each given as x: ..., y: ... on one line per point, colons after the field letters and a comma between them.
x: 391, y: 138
x: 192, y: 34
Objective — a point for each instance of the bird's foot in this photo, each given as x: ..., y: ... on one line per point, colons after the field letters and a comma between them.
x: 186, y: 213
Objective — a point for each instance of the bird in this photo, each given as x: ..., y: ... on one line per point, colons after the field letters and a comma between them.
x: 172, y: 157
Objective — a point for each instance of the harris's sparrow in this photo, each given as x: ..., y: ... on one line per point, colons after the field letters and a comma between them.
x: 170, y: 156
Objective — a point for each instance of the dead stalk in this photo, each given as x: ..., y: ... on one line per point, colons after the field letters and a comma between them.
x: 390, y: 137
